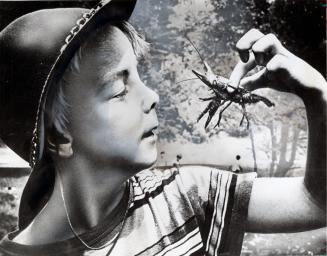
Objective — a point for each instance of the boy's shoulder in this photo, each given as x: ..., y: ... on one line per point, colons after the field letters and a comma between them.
x: 188, y: 170
x: 188, y: 176
x: 158, y: 174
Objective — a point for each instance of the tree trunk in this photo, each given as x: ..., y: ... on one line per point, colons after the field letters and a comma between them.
x: 284, y: 165
x: 273, y: 148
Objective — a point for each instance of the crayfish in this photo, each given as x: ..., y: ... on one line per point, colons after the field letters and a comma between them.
x: 223, y: 95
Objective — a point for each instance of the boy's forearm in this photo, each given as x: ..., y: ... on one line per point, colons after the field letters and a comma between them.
x: 315, y: 176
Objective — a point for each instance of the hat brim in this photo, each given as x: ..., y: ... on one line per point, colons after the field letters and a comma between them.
x: 40, y: 183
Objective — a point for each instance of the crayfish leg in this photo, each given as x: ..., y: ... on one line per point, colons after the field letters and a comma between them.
x: 221, y: 112
x: 205, y: 111
x: 245, y: 115
x: 206, y: 99
x: 211, y: 113
x: 242, y: 119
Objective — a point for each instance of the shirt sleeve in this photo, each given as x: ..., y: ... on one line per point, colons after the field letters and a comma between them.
x: 225, y: 198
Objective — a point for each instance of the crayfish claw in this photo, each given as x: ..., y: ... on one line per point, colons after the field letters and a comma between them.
x: 202, y: 77
x: 199, y: 75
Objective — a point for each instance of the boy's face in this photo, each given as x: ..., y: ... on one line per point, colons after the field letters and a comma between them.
x: 112, y: 115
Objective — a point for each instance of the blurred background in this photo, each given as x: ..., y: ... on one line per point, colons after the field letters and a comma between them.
x: 275, y: 144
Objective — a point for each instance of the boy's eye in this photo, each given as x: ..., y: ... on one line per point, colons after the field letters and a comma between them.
x: 124, y: 76
x: 118, y: 88
x: 122, y: 94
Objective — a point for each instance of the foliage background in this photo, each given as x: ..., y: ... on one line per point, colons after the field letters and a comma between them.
x: 276, y: 142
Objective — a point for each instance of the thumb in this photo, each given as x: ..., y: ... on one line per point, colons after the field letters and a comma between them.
x: 256, y: 81
x: 240, y: 70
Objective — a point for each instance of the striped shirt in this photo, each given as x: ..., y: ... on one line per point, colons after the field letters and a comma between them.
x: 190, y: 210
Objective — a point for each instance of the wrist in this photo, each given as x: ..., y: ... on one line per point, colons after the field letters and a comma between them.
x: 315, y: 190
x: 311, y: 80
x: 315, y: 99
x: 320, y: 85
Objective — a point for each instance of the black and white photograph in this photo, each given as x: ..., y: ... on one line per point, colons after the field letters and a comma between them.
x: 169, y: 128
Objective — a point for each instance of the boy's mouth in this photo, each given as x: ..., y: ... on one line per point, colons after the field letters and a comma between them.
x: 152, y: 132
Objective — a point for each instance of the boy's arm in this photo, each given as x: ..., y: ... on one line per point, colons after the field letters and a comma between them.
x: 287, y: 204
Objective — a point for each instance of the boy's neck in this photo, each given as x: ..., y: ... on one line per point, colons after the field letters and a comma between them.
x: 91, y: 190
x: 91, y: 193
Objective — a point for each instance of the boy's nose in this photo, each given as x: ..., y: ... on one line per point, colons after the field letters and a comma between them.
x: 150, y: 99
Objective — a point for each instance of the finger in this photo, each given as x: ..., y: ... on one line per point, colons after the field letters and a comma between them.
x: 256, y: 81
x: 245, y: 43
x: 265, y: 48
x: 273, y: 76
x: 240, y: 70
x: 278, y: 62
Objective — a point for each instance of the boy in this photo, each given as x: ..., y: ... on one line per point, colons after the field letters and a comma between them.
x: 90, y: 192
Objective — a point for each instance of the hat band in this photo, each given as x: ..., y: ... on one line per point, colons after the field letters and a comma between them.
x: 37, y: 149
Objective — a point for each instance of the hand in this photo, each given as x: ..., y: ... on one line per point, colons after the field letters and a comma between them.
x: 285, y: 72
x: 282, y: 70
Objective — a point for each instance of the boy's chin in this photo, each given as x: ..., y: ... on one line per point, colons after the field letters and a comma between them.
x: 147, y: 161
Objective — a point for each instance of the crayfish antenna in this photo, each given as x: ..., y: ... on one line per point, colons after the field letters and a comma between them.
x: 185, y: 80
x: 209, y: 76
x: 196, y: 49
x: 198, y: 74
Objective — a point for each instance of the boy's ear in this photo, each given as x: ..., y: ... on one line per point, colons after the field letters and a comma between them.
x: 63, y: 146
